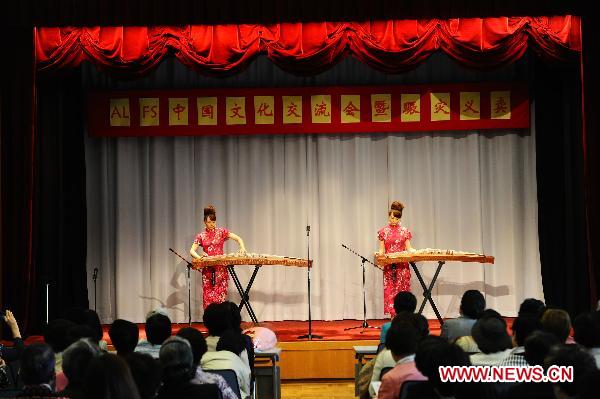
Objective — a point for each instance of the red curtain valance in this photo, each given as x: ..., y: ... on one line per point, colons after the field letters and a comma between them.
x: 309, y: 47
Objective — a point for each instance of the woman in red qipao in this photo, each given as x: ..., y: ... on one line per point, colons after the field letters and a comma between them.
x: 212, y: 240
x: 394, y: 238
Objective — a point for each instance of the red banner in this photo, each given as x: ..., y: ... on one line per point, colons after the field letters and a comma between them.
x: 354, y: 109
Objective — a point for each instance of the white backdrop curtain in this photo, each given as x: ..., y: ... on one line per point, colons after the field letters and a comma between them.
x: 472, y: 191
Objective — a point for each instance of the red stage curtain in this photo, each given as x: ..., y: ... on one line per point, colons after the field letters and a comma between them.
x: 307, y: 47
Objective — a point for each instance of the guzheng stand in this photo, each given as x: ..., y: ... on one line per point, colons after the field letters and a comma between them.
x: 256, y: 260
x: 245, y: 294
x: 440, y: 256
x: 427, y: 290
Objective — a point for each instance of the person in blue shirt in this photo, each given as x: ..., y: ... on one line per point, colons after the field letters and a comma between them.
x: 404, y: 301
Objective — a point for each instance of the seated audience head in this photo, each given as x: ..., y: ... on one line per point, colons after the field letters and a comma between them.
x: 405, y: 301
x: 124, y: 336
x: 37, y: 365
x: 490, y: 335
x: 557, y: 322
x: 235, y: 317
x: 76, y: 359
x: 532, y: 307
x: 108, y: 377
x: 587, y: 329
x: 80, y: 331
x: 435, y: 351
x: 472, y: 304
x: 158, y: 327
x: 231, y: 341
x: 145, y: 372
x: 523, y: 327
x: 570, y: 355
x: 197, y: 342
x: 537, y: 346
x: 92, y: 320
x: 56, y: 334
x: 216, y: 319
x: 417, y: 320
x: 402, y: 338
x: 177, y: 361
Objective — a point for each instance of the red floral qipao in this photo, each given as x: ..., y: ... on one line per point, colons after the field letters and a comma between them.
x: 212, y: 242
x: 396, y: 277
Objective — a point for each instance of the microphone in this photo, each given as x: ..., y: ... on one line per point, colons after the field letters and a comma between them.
x: 345, y: 246
x: 95, y: 274
x: 307, y: 230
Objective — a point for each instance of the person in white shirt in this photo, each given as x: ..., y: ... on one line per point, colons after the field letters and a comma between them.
x: 227, y: 357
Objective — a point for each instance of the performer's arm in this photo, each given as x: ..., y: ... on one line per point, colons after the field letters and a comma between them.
x: 408, y: 246
x: 239, y: 240
x: 381, y: 247
x: 194, y: 253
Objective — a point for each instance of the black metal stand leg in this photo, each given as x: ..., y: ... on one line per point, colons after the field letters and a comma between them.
x: 364, y: 323
x: 427, y: 290
x: 244, y: 294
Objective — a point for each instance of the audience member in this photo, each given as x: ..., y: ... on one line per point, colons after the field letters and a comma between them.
x: 587, y: 333
x: 88, y: 317
x: 537, y: 346
x: 109, y: 377
x: 557, y: 322
x: 56, y: 334
x: 492, y: 339
x: 472, y: 305
x: 37, y: 372
x: 229, y: 347
x: 404, y: 301
x: 177, y: 363
x: 11, y: 354
x: 158, y: 329
x: 522, y: 328
x: 145, y: 371
x: 570, y: 355
x: 433, y: 352
x: 199, y: 348
x: 385, y: 358
x: 216, y: 319
x: 124, y: 336
x: 402, y: 340
x: 76, y: 359
x: 532, y: 307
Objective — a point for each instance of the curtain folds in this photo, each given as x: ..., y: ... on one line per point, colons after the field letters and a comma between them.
x: 305, y: 47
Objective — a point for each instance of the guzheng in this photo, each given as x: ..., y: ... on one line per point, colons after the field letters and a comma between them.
x: 431, y: 255
x: 249, y: 259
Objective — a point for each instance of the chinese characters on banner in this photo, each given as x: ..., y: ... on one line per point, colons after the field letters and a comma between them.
x: 310, y: 110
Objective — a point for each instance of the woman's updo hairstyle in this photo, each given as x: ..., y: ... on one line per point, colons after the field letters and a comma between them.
x: 396, y: 209
x: 210, y: 212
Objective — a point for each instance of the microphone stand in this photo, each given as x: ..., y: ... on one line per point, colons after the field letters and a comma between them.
x: 189, y: 284
x: 363, y: 261
x: 95, y: 277
x: 310, y: 335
